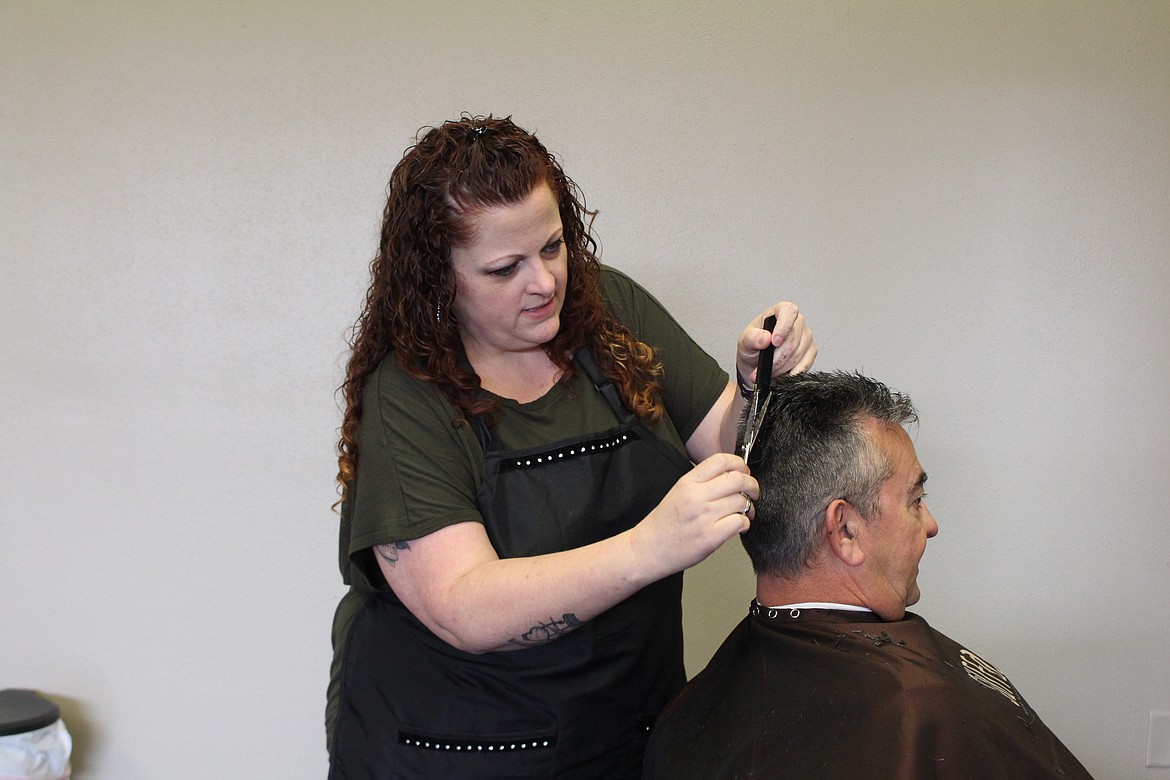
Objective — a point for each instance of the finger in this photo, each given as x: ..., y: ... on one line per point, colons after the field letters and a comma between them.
x: 794, y: 351
x: 748, y: 509
x: 789, y: 352
x: 732, y: 488
x: 752, y: 490
x: 727, y: 493
x: 717, y: 465
x: 787, y: 315
x: 806, y: 360
x: 733, y: 494
x: 726, y: 527
x: 751, y: 341
x: 755, y: 338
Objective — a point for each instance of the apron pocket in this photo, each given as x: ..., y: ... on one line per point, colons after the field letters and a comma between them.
x: 513, y: 755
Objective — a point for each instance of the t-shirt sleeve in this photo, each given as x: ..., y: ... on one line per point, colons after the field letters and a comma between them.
x: 692, y: 379
x: 416, y: 470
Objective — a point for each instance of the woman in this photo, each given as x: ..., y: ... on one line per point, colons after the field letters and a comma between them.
x: 519, y: 494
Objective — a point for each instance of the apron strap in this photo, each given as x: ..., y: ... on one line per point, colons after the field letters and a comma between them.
x: 482, y: 433
x: 602, y: 383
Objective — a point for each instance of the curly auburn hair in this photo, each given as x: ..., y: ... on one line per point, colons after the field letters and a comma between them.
x: 452, y: 173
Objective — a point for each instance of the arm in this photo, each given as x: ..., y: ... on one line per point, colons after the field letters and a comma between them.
x: 416, y: 525
x: 455, y: 584
x: 795, y: 352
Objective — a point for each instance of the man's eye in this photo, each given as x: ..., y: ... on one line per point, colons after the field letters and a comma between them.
x: 918, y: 501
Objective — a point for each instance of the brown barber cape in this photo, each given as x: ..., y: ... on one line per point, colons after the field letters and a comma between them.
x: 839, y: 694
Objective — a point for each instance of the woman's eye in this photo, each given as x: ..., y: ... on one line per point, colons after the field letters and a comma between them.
x: 507, y: 270
x: 554, y: 247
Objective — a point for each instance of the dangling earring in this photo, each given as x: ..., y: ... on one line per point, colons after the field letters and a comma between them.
x: 438, y: 314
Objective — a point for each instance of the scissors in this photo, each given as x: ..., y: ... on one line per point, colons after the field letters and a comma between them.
x: 762, y: 394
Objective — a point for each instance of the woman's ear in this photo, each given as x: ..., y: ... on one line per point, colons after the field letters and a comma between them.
x: 843, y: 532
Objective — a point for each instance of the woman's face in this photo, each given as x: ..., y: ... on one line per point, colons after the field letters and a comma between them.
x: 510, y: 280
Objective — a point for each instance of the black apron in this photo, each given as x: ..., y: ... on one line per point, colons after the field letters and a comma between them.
x: 412, y: 706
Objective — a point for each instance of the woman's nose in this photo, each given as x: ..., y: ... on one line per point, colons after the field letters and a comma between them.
x: 542, y: 280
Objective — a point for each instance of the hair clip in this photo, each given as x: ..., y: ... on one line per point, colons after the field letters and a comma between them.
x: 477, y: 132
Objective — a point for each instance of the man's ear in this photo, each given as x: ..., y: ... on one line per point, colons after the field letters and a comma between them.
x: 843, y: 532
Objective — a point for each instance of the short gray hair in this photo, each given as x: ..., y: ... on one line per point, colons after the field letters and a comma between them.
x: 811, y: 450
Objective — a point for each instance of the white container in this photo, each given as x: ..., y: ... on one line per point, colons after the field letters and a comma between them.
x: 34, y: 743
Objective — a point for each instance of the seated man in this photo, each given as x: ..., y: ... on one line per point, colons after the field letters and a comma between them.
x: 829, y: 676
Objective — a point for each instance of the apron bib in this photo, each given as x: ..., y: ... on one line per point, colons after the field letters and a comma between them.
x: 580, y: 706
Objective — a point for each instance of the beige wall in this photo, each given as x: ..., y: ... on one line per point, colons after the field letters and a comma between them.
x: 971, y: 201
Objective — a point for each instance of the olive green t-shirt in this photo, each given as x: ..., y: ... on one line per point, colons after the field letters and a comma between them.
x: 419, y: 472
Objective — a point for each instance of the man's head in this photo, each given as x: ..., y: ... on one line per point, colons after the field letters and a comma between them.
x: 840, y: 509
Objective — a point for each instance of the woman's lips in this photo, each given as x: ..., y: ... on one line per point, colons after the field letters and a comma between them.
x: 541, y: 310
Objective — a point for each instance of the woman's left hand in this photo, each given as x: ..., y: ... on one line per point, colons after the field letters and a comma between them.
x: 793, y: 339
x: 795, y: 352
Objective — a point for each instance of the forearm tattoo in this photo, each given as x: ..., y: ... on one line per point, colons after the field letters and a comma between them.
x: 543, y: 633
x: 540, y: 634
x: 389, y: 552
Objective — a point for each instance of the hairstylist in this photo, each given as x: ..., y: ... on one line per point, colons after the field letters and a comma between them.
x: 520, y: 494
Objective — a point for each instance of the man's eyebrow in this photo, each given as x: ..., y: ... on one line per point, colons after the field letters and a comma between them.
x: 920, y: 484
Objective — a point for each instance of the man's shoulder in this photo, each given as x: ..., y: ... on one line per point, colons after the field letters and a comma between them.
x: 835, y: 695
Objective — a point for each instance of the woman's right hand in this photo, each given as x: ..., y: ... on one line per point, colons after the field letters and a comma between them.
x: 704, y: 509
